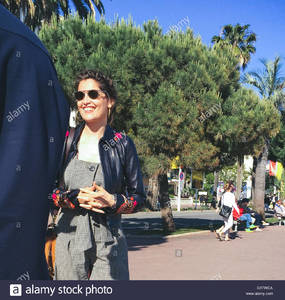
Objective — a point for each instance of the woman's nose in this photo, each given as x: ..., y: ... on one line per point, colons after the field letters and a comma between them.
x: 86, y: 98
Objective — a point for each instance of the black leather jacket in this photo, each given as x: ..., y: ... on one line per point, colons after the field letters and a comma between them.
x: 121, y: 169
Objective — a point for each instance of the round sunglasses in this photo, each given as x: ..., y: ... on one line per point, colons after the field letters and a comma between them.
x: 92, y: 94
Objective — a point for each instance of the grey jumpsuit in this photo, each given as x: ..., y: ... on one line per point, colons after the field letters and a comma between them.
x: 85, y: 241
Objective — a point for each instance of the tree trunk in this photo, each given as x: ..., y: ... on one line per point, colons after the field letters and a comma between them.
x: 184, y: 182
x: 165, y: 206
x: 240, y: 167
x: 152, y: 193
x: 216, y: 180
x: 253, y: 175
x: 259, y: 192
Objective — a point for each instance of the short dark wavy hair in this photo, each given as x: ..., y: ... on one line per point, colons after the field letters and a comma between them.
x: 106, y: 85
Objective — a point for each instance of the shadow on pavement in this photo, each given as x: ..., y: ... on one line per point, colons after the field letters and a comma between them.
x: 139, y: 243
x: 142, y: 233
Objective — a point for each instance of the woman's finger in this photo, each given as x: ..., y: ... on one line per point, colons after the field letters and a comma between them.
x: 97, y: 204
x: 98, y: 210
x: 84, y: 190
x: 85, y: 206
x: 94, y: 196
x: 98, y: 187
x: 99, y: 196
x: 83, y: 199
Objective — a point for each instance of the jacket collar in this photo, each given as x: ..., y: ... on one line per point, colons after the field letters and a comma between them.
x: 108, y: 134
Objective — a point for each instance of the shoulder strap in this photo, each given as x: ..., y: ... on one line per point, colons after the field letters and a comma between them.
x: 59, y: 181
x: 67, y: 144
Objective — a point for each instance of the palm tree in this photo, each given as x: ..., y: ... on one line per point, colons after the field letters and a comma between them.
x: 269, y: 81
x: 240, y: 38
x: 20, y: 8
x: 34, y: 12
x: 270, y: 84
x: 242, y: 41
x: 83, y: 7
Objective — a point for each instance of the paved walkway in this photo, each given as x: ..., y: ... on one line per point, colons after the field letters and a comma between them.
x: 200, y: 256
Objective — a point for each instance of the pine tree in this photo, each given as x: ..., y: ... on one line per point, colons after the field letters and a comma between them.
x: 176, y: 97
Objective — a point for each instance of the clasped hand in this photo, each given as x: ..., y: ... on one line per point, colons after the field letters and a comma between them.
x: 95, y: 198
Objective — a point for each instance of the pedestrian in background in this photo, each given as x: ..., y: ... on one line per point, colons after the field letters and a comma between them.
x: 228, y: 199
x: 280, y: 208
x: 214, y: 200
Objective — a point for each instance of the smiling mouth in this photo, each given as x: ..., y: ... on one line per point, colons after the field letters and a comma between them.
x: 88, y: 109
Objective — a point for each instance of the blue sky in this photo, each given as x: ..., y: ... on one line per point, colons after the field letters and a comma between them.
x: 206, y: 17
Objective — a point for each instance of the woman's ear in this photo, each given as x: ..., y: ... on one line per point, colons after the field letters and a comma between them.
x: 111, y: 103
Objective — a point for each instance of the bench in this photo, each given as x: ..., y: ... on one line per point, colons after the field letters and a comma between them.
x: 236, y: 224
x: 280, y: 219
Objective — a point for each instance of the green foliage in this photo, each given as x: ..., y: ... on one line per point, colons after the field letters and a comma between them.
x: 270, y: 84
x: 277, y: 145
x: 230, y: 173
x: 240, y: 38
x: 268, y: 81
x: 246, y: 123
x: 210, y: 178
x: 208, y: 184
x: 176, y: 97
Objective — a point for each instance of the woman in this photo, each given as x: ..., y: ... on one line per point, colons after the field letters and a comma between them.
x: 102, y: 180
x: 228, y: 199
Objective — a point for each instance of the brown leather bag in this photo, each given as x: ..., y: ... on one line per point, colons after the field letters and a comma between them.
x: 50, y: 250
x: 51, y: 231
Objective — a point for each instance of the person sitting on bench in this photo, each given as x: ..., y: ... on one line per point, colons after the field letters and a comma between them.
x: 243, y: 216
x: 280, y: 209
x: 255, y: 217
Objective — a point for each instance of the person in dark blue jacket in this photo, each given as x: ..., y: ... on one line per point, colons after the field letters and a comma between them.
x: 33, y: 121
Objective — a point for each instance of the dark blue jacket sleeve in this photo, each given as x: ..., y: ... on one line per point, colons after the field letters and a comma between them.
x: 135, y: 198
x: 33, y: 121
